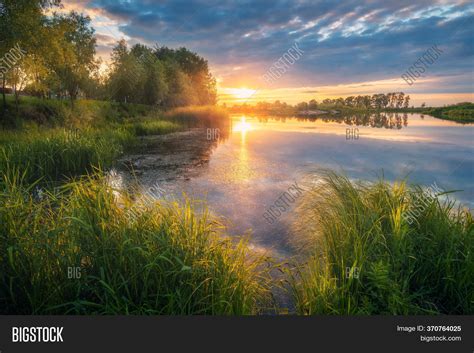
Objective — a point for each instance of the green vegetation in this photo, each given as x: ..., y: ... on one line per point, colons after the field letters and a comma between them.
x: 461, y: 112
x: 53, y: 141
x: 162, y: 77
x: 421, y: 268
x: 153, y: 127
x: 169, y: 260
x: 58, y: 212
x: 60, y: 61
x: 53, y: 155
x: 86, y: 113
x: 379, y: 101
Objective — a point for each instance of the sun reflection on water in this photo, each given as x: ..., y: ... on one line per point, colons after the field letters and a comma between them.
x: 242, y: 170
x: 242, y: 126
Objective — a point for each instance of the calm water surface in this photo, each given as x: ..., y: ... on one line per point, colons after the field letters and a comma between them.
x: 246, y: 172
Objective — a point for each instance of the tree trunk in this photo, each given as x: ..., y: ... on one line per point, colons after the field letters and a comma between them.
x: 3, y: 94
x: 72, y: 96
x: 17, y: 100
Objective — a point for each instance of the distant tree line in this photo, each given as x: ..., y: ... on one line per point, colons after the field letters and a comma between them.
x: 395, y: 100
x: 60, y: 61
x: 376, y: 101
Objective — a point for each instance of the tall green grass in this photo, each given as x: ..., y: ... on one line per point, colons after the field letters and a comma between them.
x: 153, y: 127
x: 52, y: 141
x: 59, y: 113
x: 358, y: 230
x: 169, y: 259
x: 54, y: 154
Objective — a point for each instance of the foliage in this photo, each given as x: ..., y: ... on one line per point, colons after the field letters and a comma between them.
x: 55, y: 154
x: 462, y: 112
x: 423, y: 267
x: 163, y: 77
x: 172, y: 259
x: 379, y: 101
x: 60, y: 61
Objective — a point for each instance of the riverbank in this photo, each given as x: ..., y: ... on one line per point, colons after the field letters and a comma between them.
x: 50, y: 141
x: 59, y: 216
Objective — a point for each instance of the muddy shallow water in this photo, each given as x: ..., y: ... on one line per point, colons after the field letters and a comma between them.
x: 243, y: 172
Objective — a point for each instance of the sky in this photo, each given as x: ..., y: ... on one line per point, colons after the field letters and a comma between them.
x: 345, y: 47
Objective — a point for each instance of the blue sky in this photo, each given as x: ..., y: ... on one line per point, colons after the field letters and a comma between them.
x: 350, y: 47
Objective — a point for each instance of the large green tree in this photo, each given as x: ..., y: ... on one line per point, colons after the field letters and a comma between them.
x: 19, y: 19
x: 73, y: 54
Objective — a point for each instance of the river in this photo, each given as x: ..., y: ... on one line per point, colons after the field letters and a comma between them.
x: 240, y: 173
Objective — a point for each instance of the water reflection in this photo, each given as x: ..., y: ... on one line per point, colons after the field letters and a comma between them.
x: 242, y: 163
x: 257, y: 158
x: 388, y: 120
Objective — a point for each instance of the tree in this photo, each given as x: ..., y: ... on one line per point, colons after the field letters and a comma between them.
x: 327, y: 101
x: 124, y: 80
x: 161, y: 76
x: 349, y: 101
x: 393, y: 99
x: 18, y: 21
x: 375, y: 101
x: 312, y: 104
x: 302, y: 106
x: 196, y: 70
x: 400, y: 99
x: 17, y: 78
x: 180, y: 89
x: 367, y: 102
x: 74, y: 53
x: 407, y: 101
x: 359, y: 101
x: 155, y: 86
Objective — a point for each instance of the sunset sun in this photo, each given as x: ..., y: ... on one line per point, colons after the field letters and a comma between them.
x: 241, y: 93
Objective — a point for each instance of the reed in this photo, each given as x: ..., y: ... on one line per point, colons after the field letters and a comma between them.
x: 169, y: 259
x: 55, y: 154
x: 154, y: 127
x: 366, y: 258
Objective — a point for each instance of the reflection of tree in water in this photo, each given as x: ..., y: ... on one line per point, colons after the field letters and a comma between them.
x: 387, y: 120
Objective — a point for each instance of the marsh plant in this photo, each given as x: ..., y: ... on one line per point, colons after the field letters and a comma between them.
x: 420, y: 267
x: 146, y: 199
x: 423, y: 201
x: 169, y: 260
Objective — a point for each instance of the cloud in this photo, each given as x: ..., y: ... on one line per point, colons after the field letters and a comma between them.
x: 105, y: 40
x: 351, y: 41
